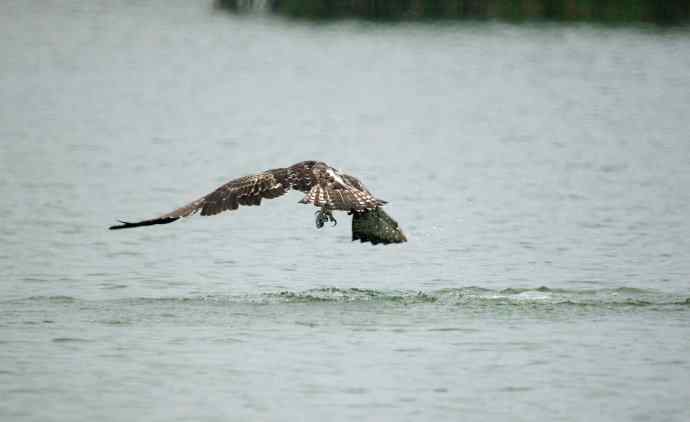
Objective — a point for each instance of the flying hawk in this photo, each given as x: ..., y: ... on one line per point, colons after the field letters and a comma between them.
x: 325, y: 187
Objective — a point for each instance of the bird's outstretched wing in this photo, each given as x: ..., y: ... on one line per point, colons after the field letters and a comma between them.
x: 324, y: 186
x: 340, y: 198
x: 247, y: 190
x: 376, y: 226
x: 339, y: 191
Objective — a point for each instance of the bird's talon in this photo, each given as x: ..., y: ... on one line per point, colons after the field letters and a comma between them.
x: 322, y: 216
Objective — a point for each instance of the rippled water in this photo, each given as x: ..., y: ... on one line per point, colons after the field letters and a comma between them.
x: 540, y: 172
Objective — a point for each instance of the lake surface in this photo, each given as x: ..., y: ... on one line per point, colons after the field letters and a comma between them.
x: 541, y: 174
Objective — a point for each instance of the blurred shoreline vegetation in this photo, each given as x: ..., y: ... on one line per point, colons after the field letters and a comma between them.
x: 660, y: 12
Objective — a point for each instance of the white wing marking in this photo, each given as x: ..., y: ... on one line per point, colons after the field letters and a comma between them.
x: 337, y: 178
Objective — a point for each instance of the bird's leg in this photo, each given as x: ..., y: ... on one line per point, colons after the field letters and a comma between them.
x: 324, y: 215
x: 319, y: 219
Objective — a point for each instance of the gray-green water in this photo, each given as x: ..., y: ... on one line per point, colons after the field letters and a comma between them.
x: 541, y: 174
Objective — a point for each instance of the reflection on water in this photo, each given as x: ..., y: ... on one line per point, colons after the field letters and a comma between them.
x: 513, y: 158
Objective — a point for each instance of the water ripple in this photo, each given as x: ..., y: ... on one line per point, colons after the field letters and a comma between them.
x: 463, y: 296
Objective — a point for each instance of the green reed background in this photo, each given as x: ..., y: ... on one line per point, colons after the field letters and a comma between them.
x: 663, y: 12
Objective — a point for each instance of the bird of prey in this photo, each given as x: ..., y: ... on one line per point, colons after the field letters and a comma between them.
x: 325, y: 187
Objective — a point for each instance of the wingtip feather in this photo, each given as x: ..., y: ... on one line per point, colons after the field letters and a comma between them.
x: 128, y: 225
x: 122, y: 225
